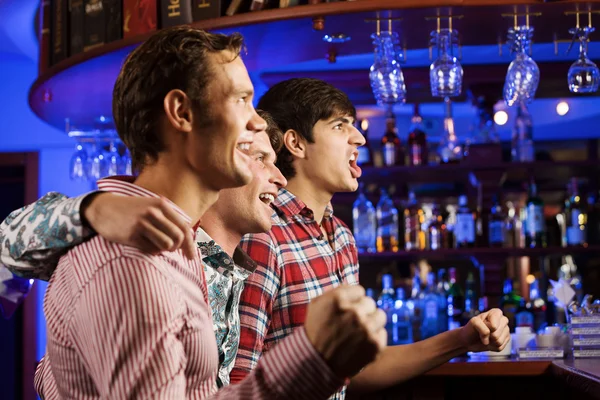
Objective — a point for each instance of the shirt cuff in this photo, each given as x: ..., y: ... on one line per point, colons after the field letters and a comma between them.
x: 77, y: 203
x: 294, y: 368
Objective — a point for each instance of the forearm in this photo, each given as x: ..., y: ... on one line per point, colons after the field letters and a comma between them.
x: 35, y: 237
x: 401, y: 363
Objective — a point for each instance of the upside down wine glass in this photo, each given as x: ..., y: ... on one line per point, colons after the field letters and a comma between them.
x: 583, y: 76
x: 523, y: 75
x: 445, y: 73
x: 387, y: 79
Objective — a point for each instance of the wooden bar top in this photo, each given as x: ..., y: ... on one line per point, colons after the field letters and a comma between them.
x: 493, y: 366
x: 581, y: 374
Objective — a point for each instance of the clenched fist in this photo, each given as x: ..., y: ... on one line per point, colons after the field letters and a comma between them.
x: 346, y: 328
x: 487, y: 331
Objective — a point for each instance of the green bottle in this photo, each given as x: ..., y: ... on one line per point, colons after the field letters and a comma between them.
x: 455, y: 302
x: 509, y: 303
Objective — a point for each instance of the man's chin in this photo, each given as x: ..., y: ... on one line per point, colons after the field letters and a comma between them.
x: 348, y: 186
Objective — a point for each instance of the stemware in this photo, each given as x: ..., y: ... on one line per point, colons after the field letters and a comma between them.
x: 387, y: 79
x: 445, y: 73
x: 523, y: 75
x: 79, y: 164
x: 583, y: 76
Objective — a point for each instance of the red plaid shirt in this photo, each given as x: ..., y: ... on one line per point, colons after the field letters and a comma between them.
x: 296, y: 263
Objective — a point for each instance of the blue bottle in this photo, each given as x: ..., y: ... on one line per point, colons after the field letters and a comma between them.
x: 401, y: 323
x: 364, y: 223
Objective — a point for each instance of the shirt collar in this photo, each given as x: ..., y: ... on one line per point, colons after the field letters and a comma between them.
x: 214, y: 254
x: 291, y: 205
x: 123, y: 185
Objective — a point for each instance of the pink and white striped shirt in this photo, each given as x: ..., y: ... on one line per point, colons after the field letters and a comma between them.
x: 124, y: 324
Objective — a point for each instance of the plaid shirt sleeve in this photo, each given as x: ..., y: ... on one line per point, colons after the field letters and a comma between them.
x: 33, y: 238
x: 256, y: 303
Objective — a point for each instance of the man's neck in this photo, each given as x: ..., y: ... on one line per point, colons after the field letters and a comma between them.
x: 214, y: 226
x: 180, y: 185
x: 315, y: 198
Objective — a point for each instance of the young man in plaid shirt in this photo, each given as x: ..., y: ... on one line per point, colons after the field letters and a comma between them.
x: 309, y: 251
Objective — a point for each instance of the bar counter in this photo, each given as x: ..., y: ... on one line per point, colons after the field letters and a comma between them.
x: 502, y: 378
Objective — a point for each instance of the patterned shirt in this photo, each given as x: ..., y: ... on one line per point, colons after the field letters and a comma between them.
x: 225, y: 278
x: 295, y: 264
x: 30, y: 249
x: 125, y: 324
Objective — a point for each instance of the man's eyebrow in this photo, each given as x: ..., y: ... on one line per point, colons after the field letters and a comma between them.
x: 344, y: 120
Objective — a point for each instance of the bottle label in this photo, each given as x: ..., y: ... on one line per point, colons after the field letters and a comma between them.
x: 465, y: 228
x: 496, y: 232
x: 575, y: 235
x: 401, y: 333
x: 363, y: 155
x: 535, y: 219
x: 435, y: 239
x: 431, y: 310
x: 389, y: 154
x: 416, y: 157
x: 524, y: 318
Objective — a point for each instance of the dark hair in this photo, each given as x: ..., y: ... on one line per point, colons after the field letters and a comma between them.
x: 273, y: 131
x: 299, y: 104
x: 174, y: 58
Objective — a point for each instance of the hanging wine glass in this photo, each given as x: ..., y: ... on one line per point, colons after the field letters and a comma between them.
x: 445, y: 73
x: 583, y: 76
x: 97, y: 164
x: 113, y: 159
x: 79, y: 164
x: 387, y: 79
x: 126, y: 166
x: 523, y: 75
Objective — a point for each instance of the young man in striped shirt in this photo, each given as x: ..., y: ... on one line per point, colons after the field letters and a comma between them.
x: 123, y: 323
x: 309, y: 251
x: 237, y: 212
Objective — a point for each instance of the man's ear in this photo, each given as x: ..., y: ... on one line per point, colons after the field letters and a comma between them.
x: 178, y: 109
x: 295, y: 143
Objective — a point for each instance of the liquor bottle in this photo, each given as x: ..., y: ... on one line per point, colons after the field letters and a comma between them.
x: 386, y: 301
x: 455, y: 302
x: 391, y: 146
x: 415, y: 305
x: 370, y: 293
x: 471, y: 306
x: 414, y: 237
x: 437, y: 234
x: 442, y: 288
x: 387, y: 224
x: 496, y: 224
x: 417, y: 141
x: 431, y: 309
x: 449, y: 150
x: 509, y: 302
x: 365, y: 155
x: 464, y: 231
x: 364, y: 221
x: 522, y: 136
x: 537, y: 306
x: 575, y: 217
x: 402, y: 326
x: 535, y: 234
x: 524, y: 316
